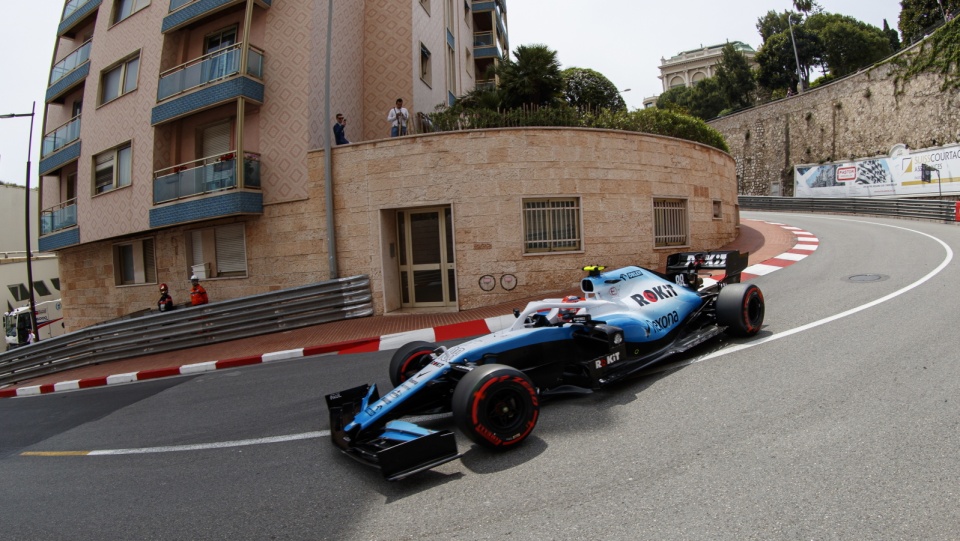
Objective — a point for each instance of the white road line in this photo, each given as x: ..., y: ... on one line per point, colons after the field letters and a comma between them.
x: 214, y: 445
x: 946, y: 261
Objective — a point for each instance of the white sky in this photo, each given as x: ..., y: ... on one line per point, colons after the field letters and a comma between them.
x: 622, y: 39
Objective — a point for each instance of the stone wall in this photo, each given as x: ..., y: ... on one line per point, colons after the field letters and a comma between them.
x: 482, y: 176
x: 860, y: 116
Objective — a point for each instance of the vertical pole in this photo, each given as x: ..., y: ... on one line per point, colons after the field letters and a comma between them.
x: 327, y: 159
x: 26, y: 197
x: 796, y: 57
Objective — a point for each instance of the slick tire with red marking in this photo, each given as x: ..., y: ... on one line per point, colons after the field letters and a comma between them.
x: 408, y: 360
x: 740, y: 309
x: 496, y: 406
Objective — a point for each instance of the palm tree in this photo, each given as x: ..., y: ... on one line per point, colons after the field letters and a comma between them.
x: 532, y: 79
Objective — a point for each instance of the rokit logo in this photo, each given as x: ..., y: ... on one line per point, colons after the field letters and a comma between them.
x: 654, y: 295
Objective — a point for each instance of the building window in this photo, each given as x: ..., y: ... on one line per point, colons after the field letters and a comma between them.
x: 119, y: 79
x: 669, y: 222
x: 449, y: 16
x: 469, y: 61
x: 466, y: 12
x: 451, y: 70
x: 425, y: 65
x: 125, y: 8
x: 217, y: 252
x: 551, y: 225
x: 134, y: 263
x: 112, y: 169
x: 717, y: 209
x: 425, y: 4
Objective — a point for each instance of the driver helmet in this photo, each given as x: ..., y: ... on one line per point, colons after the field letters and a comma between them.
x: 163, y: 287
x: 567, y: 314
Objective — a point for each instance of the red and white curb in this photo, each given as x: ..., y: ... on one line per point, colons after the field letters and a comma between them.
x: 381, y: 343
x: 806, y: 244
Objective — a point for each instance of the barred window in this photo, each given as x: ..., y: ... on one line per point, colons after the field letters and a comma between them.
x: 551, y: 225
x: 669, y: 222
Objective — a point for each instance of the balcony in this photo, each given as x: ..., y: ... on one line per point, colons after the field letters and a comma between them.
x: 58, y: 217
x: 485, y: 45
x: 208, y: 69
x: 185, y: 12
x: 61, y: 137
x: 180, y: 186
x: 69, y: 72
x: 486, y: 84
x: 58, y: 227
x: 60, y: 147
x: 75, y: 12
x: 203, y: 176
x: 208, y: 81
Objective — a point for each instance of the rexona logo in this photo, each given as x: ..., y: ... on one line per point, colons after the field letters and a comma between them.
x: 654, y: 295
x: 846, y: 174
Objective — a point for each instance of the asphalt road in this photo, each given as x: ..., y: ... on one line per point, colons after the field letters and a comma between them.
x: 841, y: 420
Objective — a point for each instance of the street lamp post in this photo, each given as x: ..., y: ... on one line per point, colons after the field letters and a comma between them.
x: 796, y: 57
x: 26, y: 197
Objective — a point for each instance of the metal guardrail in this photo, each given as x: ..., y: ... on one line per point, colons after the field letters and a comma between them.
x: 921, y: 209
x: 182, y: 328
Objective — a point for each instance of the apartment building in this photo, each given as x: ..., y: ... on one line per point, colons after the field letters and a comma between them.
x: 178, y: 130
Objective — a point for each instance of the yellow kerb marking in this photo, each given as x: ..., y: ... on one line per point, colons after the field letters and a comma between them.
x: 55, y: 453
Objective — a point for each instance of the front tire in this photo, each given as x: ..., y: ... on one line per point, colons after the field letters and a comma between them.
x: 408, y: 360
x: 740, y: 308
x: 496, y: 406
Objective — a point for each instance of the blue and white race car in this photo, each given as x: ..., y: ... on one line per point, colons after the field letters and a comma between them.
x: 627, y: 320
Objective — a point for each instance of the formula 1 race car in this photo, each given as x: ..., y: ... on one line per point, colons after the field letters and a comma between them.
x: 628, y: 319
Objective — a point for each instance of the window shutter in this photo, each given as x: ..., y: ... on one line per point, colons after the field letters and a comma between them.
x: 216, y: 140
x: 231, y: 254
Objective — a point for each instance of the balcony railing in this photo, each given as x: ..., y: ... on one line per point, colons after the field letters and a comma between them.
x: 177, y: 4
x: 483, y: 39
x: 61, y: 137
x: 58, y: 217
x: 206, y: 175
x: 208, y: 69
x: 486, y: 84
x: 72, y: 6
x: 73, y: 60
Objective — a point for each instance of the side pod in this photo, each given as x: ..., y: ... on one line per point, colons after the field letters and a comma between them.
x: 399, y: 449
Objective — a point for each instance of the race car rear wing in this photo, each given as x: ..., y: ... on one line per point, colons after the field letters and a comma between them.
x: 399, y: 449
x: 731, y: 262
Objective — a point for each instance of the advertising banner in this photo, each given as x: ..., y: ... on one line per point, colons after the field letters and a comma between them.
x: 932, y: 171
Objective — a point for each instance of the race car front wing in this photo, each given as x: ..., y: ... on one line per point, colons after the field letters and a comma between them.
x: 398, y: 448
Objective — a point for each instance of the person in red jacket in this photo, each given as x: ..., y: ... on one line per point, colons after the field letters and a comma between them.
x: 198, y: 295
x: 166, y: 301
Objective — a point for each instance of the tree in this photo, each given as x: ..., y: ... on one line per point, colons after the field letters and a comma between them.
x: 848, y: 44
x: 735, y: 78
x: 532, y: 79
x: 587, y: 89
x: 918, y: 16
x: 707, y: 99
x: 892, y: 36
x: 678, y: 99
x: 778, y: 64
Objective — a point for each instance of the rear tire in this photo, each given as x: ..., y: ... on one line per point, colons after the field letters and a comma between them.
x: 740, y: 308
x: 408, y: 360
x: 496, y: 406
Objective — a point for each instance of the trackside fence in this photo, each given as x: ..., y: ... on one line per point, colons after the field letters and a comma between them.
x: 941, y: 211
x: 189, y: 327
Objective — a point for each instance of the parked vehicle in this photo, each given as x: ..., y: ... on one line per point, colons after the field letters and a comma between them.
x: 16, y: 324
x: 628, y: 320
